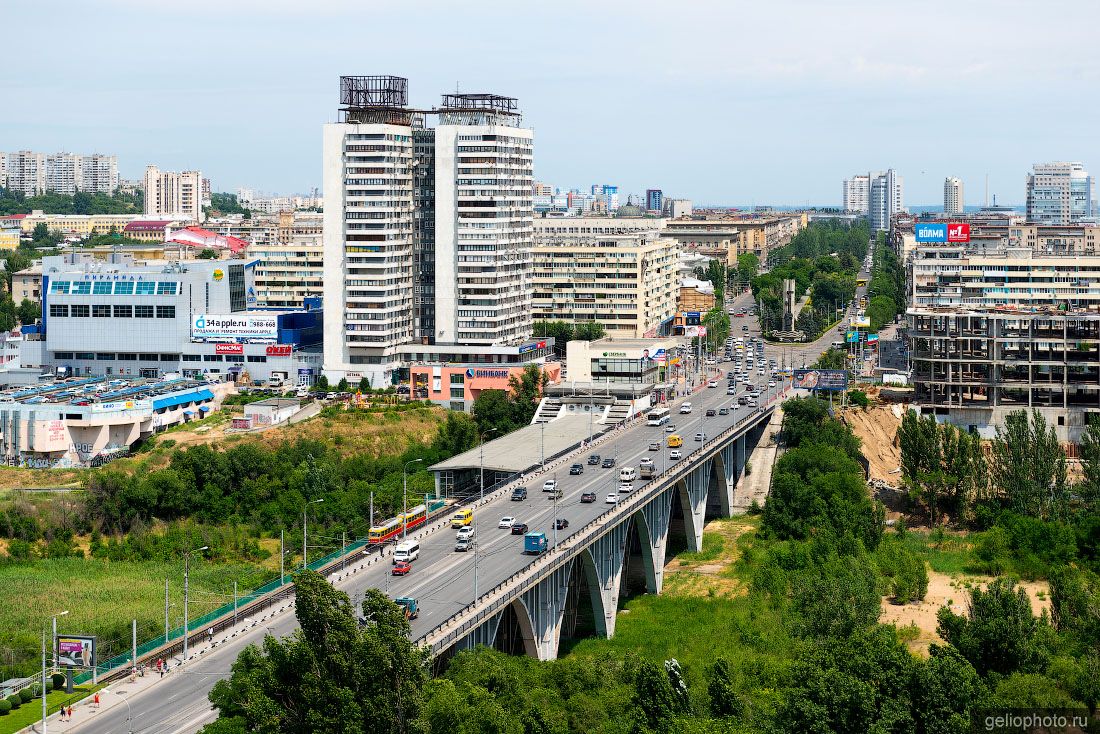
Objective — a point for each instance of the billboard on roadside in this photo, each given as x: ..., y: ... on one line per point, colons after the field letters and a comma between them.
x: 237, y: 328
x: 75, y: 651
x: 827, y: 380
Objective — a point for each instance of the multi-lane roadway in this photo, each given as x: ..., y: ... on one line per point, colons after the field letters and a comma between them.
x: 443, y: 580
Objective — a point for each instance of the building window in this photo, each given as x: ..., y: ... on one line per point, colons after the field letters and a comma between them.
x: 62, y: 355
x: 236, y: 288
x: 143, y: 312
x: 124, y: 312
x: 166, y: 312
x: 165, y: 288
x: 81, y: 288
x: 145, y: 288
x: 169, y: 358
x: 257, y: 358
x: 211, y: 358
x: 457, y: 378
x: 458, y: 392
x: 101, y: 311
x: 85, y: 355
x: 80, y: 311
x: 127, y: 357
x: 105, y: 356
x: 102, y: 288
x: 149, y: 357
x: 58, y: 310
x: 192, y: 358
x: 124, y: 288
x: 60, y: 286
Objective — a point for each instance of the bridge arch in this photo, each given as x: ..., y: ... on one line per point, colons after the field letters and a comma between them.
x: 515, y: 633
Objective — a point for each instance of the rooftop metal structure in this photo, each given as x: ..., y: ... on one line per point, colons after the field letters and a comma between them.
x: 478, y: 109
x: 379, y: 98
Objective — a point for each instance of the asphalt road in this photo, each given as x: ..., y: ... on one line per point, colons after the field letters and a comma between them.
x: 442, y: 580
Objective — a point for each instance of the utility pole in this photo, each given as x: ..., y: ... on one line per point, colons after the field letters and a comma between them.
x: 282, y: 555
x: 234, y: 602
x: 44, y: 681
x: 405, y: 495
x: 166, y: 605
x: 186, y: 572
x: 305, y: 533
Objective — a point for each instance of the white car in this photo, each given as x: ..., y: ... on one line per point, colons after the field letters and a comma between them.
x: 612, y: 499
x: 712, y: 383
x: 549, y: 485
x: 645, y: 461
x: 675, y: 455
x: 466, y: 533
x: 626, y: 487
x: 771, y: 383
x: 700, y: 437
x: 506, y: 522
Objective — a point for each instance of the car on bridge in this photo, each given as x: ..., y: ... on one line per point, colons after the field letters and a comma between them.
x: 519, y: 494
x: 463, y: 545
x: 700, y: 436
x: 465, y: 533
x: 609, y: 462
x: 519, y: 528
x: 576, y: 469
x: 626, y: 487
x: 675, y: 455
x: 654, y: 445
x: 711, y: 412
x: 670, y: 428
x: 561, y: 523
x: 593, y: 459
x: 611, y: 499
x: 409, y: 605
x: 556, y: 494
x: 587, y: 497
x: 723, y: 411
x: 401, y: 568
x: 549, y: 485
x: 506, y: 522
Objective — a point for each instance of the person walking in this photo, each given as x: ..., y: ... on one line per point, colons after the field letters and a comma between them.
x: 96, y: 700
x: 69, y: 716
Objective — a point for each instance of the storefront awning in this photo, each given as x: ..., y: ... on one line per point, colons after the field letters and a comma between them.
x: 204, y: 408
x: 188, y: 412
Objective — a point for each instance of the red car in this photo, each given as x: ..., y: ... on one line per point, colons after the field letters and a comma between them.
x: 401, y: 568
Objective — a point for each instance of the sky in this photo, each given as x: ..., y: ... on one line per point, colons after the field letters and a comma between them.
x: 720, y: 102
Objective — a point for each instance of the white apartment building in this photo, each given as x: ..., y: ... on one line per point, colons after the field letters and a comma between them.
x: 3, y: 170
x: 679, y: 208
x: 626, y: 282
x: 952, y: 195
x: 64, y: 173
x: 26, y: 172
x: 886, y: 199
x: 99, y: 173
x: 291, y: 268
x: 173, y: 195
x: 857, y: 194
x: 1060, y: 193
x: 465, y: 233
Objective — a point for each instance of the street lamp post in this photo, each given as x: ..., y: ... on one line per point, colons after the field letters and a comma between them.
x: 305, y: 533
x: 129, y: 713
x: 405, y: 495
x: 482, y: 461
x: 542, y: 451
x: 186, y: 573
x: 54, y: 619
x: 43, y: 689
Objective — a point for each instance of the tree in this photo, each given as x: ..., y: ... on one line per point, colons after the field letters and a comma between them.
x: 881, y: 311
x: 364, y: 385
x: 317, y: 680
x: 1029, y: 466
x: 561, y: 331
x: 1089, y: 488
x: 748, y: 265
x: 831, y: 359
x: 458, y: 433
x: 588, y: 331
x: 28, y: 312
x: 654, y: 698
x: 492, y: 409
x: 999, y: 633
x: 342, y: 385
x: 322, y: 384
x: 724, y: 701
x: 945, y: 688
x: 208, y: 254
x: 7, y: 313
x: 14, y: 261
x: 526, y: 393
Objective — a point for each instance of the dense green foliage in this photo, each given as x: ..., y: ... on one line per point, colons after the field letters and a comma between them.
x: 823, y: 259
x: 943, y: 467
x: 333, y: 674
x: 15, y: 202
x: 887, y: 286
x: 502, y: 412
x: 563, y: 332
x: 831, y: 359
x: 223, y: 203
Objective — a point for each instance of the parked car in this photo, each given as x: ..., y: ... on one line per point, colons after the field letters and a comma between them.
x: 519, y: 528
x: 401, y: 568
x: 593, y: 459
x: 519, y: 494
x: 587, y: 497
x: 576, y: 469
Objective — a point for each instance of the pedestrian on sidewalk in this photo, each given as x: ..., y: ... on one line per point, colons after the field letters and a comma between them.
x: 69, y: 716
x: 96, y: 701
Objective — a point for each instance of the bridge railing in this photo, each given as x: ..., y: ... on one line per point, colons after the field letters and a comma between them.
x: 465, y: 621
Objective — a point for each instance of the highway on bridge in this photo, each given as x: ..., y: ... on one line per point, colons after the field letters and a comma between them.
x: 442, y: 580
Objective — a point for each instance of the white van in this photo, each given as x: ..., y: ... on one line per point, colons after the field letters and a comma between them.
x: 627, y: 474
x: 407, y: 551
x: 685, y: 408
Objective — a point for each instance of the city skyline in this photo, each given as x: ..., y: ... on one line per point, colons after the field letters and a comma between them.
x: 602, y: 106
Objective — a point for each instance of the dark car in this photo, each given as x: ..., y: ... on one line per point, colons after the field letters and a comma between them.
x: 594, y: 460
x: 587, y: 497
x: 608, y: 462
x: 519, y: 528
x: 723, y: 411
x: 576, y: 469
x: 401, y: 568
x: 519, y: 494
x: 561, y: 523
x: 711, y: 412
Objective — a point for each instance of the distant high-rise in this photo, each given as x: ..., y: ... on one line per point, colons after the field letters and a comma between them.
x: 654, y: 200
x: 99, y: 173
x: 173, y: 195
x: 26, y: 172
x: 857, y: 194
x: 886, y: 199
x: 1060, y: 193
x: 952, y: 195
x: 609, y: 194
x: 62, y: 173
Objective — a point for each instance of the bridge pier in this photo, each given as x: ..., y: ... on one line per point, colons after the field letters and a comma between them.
x: 653, y: 525
x: 545, y: 603
x: 733, y: 465
x: 693, y: 498
x: 603, y: 567
x: 485, y: 634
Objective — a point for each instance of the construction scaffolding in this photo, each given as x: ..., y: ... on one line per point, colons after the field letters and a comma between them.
x: 379, y: 98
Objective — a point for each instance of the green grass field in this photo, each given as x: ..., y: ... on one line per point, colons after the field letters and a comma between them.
x: 102, y: 597
x: 31, y: 713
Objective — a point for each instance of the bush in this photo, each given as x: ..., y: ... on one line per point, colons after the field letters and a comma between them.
x: 904, y: 571
x: 58, y: 680
x: 5, y: 706
x: 25, y: 695
x: 15, y: 701
x: 858, y: 397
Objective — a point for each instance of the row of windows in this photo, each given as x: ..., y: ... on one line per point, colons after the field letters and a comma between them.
x: 117, y: 287
x: 133, y: 357
x: 106, y: 311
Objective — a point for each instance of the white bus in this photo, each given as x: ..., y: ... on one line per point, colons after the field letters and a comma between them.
x: 658, y: 417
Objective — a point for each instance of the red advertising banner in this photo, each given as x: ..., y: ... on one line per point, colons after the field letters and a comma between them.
x: 229, y: 349
x: 958, y: 232
x: 279, y: 350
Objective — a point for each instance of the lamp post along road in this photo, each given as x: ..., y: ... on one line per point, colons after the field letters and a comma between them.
x: 305, y: 533
x: 405, y: 496
x: 186, y: 574
x: 482, y: 461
